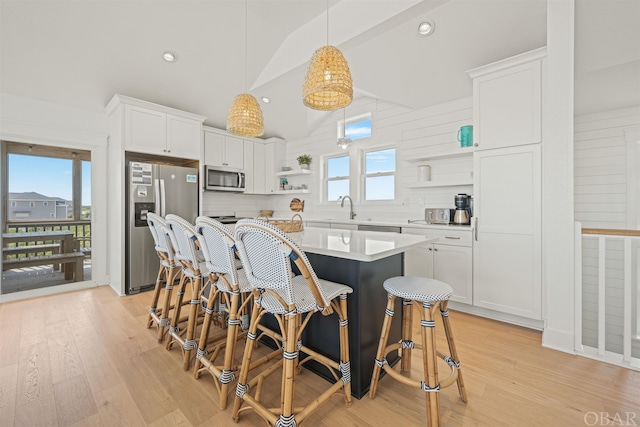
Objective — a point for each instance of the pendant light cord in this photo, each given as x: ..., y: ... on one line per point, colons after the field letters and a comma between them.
x: 344, y: 122
x: 246, y: 37
x: 327, y: 22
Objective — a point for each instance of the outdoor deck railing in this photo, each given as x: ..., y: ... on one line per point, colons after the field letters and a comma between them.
x: 608, y: 295
x: 81, y: 230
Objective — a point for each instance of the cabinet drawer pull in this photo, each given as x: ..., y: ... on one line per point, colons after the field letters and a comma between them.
x: 449, y: 237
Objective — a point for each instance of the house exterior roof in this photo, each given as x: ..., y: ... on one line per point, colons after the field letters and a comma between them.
x: 32, y: 195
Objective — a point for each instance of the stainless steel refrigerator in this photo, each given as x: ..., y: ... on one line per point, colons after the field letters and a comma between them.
x: 161, y: 188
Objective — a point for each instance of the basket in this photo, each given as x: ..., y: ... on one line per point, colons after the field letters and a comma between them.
x: 288, y: 226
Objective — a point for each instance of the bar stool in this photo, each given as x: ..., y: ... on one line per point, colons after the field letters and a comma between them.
x: 266, y: 254
x: 234, y: 291
x: 194, y: 271
x: 167, y: 274
x: 433, y: 294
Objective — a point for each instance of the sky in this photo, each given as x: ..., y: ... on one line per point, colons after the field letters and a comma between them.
x: 48, y: 176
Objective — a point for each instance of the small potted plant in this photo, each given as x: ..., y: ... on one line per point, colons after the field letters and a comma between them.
x: 304, y: 161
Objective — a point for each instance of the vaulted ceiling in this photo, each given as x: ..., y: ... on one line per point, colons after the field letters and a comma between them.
x: 80, y: 53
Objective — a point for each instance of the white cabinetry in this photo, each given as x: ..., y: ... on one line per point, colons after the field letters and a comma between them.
x: 249, y: 172
x: 150, y: 128
x: 274, y: 155
x: 141, y: 127
x: 507, y: 101
x: 507, y: 247
x: 449, y: 259
x: 223, y: 150
x: 259, y: 170
x: 268, y: 156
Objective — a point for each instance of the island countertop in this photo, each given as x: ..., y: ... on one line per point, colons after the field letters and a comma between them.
x: 356, y: 245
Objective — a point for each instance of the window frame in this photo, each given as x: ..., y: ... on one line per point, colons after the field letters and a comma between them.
x: 363, y: 175
x: 357, y: 159
x: 325, y: 174
x: 355, y: 119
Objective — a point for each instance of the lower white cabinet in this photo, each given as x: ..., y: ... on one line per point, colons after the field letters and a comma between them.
x: 507, y: 247
x: 449, y: 259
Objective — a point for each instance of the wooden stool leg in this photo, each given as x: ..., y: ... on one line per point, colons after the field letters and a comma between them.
x: 406, y: 333
x: 166, y: 303
x: 162, y: 271
x: 226, y: 377
x: 242, y: 386
x: 344, y: 348
x: 429, y: 357
x: 204, y: 332
x: 382, y: 344
x: 189, y: 342
x: 452, y: 348
x: 289, y: 367
x: 177, y: 308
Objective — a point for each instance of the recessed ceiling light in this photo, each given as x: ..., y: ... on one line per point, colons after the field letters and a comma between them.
x: 265, y: 100
x: 169, y: 56
x: 426, y: 28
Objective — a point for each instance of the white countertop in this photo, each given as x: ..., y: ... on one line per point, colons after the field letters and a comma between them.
x: 356, y: 245
x: 403, y: 224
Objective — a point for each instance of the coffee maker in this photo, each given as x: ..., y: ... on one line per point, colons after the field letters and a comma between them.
x: 462, y: 214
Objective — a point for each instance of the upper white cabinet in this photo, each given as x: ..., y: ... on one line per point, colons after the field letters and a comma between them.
x: 259, y: 170
x: 223, y: 150
x: 249, y: 172
x: 155, y: 129
x: 274, y: 156
x: 183, y: 137
x: 507, y: 101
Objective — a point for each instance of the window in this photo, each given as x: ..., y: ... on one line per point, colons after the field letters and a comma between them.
x: 357, y: 127
x: 337, y: 181
x: 379, y: 174
x: 57, y: 177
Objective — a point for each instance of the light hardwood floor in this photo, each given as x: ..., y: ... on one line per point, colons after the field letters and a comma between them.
x: 85, y: 358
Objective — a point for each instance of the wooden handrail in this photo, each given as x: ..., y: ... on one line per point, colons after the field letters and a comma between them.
x: 611, y: 231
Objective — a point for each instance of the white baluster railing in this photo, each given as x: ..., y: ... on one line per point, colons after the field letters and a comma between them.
x: 629, y: 354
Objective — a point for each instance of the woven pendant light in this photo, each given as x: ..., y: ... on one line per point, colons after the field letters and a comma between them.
x: 328, y: 84
x: 245, y: 115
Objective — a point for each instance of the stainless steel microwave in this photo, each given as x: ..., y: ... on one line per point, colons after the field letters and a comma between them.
x: 218, y: 178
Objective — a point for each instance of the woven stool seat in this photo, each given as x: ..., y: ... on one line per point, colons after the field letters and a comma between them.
x: 418, y: 288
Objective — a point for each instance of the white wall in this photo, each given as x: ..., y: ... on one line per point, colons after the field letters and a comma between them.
x: 601, y: 187
x: 414, y: 133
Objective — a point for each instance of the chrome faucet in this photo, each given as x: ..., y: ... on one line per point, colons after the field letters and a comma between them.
x: 352, y: 214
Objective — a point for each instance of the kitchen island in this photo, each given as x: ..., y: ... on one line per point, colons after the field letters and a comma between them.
x: 362, y: 260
